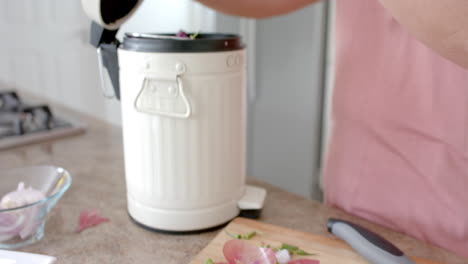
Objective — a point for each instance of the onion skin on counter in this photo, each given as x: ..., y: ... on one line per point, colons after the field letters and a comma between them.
x: 89, y: 218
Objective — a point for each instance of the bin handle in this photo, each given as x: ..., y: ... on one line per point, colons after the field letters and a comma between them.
x: 180, y: 87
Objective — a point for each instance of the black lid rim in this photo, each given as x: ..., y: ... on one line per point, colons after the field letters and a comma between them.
x: 205, y: 42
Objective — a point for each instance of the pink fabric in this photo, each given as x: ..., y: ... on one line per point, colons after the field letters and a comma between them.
x: 398, y: 154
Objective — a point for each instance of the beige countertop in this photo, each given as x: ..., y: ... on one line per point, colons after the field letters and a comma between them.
x: 95, y: 160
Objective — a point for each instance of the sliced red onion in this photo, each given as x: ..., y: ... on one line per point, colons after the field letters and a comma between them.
x: 32, y: 223
x: 283, y: 256
x: 10, y: 225
x: 239, y: 251
x: 22, y: 222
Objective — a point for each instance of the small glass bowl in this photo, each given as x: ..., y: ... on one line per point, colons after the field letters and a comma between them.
x: 24, y: 225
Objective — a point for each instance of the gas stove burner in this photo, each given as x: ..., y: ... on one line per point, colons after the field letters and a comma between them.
x: 9, y: 101
x: 36, y: 118
x: 19, y: 119
x: 22, y: 123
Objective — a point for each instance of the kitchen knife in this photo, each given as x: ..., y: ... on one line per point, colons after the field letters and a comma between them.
x: 371, y: 246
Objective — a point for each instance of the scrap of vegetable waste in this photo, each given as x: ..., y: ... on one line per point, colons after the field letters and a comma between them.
x: 240, y: 251
x: 20, y: 197
x: 21, y: 222
x: 89, y: 218
x: 182, y: 34
x: 240, y: 236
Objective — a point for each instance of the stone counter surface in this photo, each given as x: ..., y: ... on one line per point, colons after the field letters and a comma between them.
x: 95, y: 160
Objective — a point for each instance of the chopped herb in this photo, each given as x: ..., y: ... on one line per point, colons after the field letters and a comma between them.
x: 295, y: 250
x: 290, y: 248
x: 236, y: 236
x: 249, y: 235
x: 209, y: 261
x: 301, y: 252
x: 269, y: 246
x: 239, y: 236
x: 194, y: 36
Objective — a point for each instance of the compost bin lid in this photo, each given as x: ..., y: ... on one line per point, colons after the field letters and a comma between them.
x: 206, y: 42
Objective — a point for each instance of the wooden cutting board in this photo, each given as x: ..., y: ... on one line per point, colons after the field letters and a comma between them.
x: 328, y: 250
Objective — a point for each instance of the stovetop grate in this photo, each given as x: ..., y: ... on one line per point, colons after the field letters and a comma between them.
x: 22, y: 123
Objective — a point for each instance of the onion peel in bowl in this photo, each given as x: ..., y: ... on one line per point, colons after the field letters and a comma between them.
x: 21, y: 222
x: 20, y: 197
x: 11, y: 225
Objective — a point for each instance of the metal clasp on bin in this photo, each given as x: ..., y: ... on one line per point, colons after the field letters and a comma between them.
x: 157, y: 88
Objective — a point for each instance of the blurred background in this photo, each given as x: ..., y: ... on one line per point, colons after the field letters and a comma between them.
x: 45, y: 51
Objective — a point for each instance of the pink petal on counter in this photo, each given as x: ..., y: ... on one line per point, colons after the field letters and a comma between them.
x: 304, y: 261
x: 241, y: 252
x: 89, y: 218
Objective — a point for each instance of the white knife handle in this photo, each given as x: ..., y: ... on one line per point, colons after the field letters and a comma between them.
x: 371, y: 246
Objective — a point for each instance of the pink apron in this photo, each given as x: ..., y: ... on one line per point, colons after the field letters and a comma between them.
x: 399, y: 149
